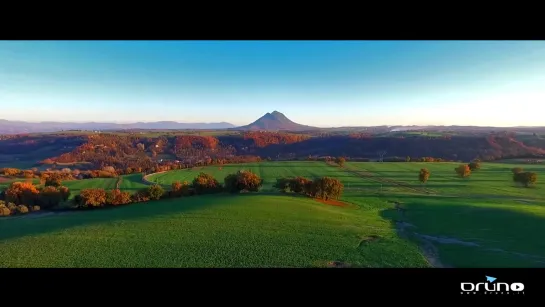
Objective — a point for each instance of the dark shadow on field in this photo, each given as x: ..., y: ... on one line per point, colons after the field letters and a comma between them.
x: 29, y: 225
x: 16, y: 227
x: 485, y: 231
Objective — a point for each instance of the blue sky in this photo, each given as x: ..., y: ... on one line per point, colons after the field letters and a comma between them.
x: 319, y: 83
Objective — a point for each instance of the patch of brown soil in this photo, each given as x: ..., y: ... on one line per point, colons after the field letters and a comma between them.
x: 332, y: 202
x: 3, y: 179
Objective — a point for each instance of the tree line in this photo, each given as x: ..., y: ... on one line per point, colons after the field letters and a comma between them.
x: 25, y: 194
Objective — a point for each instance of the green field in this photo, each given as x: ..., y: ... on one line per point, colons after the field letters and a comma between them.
x: 481, y: 221
x: 207, y: 231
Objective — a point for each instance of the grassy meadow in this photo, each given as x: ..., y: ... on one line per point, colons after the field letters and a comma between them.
x: 481, y: 221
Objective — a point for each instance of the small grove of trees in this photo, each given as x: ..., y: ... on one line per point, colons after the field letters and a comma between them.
x: 324, y: 188
x: 525, y: 178
x: 243, y: 181
x: 463, y: 170
x: 27, y: 197
x: 205, y: 183
x: 340, y: 161
x: 424, y: 175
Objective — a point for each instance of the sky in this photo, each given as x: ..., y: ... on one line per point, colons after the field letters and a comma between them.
x: 317, y: 83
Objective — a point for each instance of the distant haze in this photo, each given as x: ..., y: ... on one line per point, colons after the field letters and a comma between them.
x: 316, y: 83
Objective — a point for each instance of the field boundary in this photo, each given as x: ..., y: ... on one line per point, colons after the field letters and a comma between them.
x: 366, y: 174
x: 145, y: 178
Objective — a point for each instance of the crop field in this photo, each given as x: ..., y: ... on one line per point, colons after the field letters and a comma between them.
x: 208, y: 231
x: 76, y: 186
x: 391, y: 220
x: 132, y: 183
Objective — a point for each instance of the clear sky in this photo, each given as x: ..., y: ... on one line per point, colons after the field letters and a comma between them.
x: 319, y: 83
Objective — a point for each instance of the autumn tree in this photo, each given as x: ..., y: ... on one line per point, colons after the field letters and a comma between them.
x: 243, y: 181
x: 117, y: 197
x: 50, y: 197
x: 424, y: 175
x: 327, y: 188
x: 22, y: 193
x: 155, y: 191
x: 297, y: 184
x: 206, y: 183
x: 463, y: 170
x: 92, y: 198
x: 525, y: 178
x: 54, y: 181
x: 180, y: 189
x: 340, y: 161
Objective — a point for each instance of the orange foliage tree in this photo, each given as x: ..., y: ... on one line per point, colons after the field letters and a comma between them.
x: 91, y: 198
x: 463, y: 170
x: 22, y: 193
x: 243, y: 181
x: 206, y: 183
x: 117, y: 197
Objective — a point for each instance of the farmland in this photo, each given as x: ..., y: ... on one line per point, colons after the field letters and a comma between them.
x: 481, y: 221
x: 208, y: 231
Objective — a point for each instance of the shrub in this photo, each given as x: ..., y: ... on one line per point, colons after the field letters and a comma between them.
x: 206, y: 183
x: 4, y: 211
x: 243, y: 181
x: 35, y: 208
x: 12, y: 207
x: 22, y: 209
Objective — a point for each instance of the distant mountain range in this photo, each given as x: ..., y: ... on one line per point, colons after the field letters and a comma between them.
x: 14, y: 127
x: 270, y: 121
x: 275, y: 121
